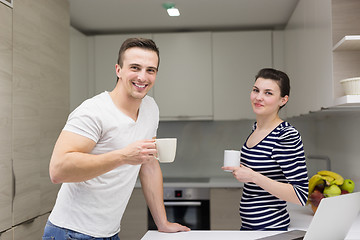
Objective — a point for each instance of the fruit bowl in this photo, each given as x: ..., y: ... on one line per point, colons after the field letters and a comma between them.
x: 314, y: 199
x: 313, y: 207
x: 327, y: 184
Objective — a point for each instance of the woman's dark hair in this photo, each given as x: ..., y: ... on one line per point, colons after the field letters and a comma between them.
x: 280, y: 77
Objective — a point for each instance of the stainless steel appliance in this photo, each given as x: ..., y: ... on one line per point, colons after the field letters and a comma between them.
x: 189, y: 206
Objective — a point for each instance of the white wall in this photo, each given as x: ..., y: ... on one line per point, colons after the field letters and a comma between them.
x: 80, y: 74
x: 339, y: 137
x: 335, y: 134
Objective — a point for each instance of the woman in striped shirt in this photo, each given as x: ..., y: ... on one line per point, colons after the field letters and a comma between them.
x: 273, y: 166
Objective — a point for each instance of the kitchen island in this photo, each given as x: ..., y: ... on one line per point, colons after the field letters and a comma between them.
x: 208, y: 235
x: 300, y: 219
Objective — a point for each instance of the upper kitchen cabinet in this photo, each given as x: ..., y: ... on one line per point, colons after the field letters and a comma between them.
x: 5, y: 116
x: 346, y: 50
x: 183, y: 88
x: 308, y: 57
x: 316, y: 57
x: 106, y: 51
x: 237, y: 57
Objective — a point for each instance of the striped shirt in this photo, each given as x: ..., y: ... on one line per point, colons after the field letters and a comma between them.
x: 279, y: 156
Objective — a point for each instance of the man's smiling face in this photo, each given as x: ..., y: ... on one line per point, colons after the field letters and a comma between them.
x: 138, y: 72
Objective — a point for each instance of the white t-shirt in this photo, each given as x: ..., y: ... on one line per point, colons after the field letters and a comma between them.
x: 95, y: 207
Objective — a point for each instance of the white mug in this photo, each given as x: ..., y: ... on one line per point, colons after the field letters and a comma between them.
x: 166, y: 149
x: 231, y: 159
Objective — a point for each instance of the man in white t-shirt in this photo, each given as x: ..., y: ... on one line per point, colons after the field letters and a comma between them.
x: 106, y: 143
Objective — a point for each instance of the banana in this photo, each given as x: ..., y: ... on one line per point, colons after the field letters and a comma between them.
x: 328, y: 179
x: 315, y: 180
x: 338, y: 179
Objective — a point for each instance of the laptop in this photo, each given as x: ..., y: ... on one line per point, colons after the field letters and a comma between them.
x: 332, y: 220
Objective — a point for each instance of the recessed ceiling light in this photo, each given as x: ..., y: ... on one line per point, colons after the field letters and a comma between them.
x: 171, y: 9
x: 173, y: 12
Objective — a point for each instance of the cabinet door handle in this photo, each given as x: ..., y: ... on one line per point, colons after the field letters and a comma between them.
x: 31, y: 220
x: 170, y: 204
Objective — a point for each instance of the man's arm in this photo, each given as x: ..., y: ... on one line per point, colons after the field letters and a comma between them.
x: 71, y: 160
x: 152, y: 185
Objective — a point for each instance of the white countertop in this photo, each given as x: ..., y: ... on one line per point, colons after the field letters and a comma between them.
x: 300, y: 219
x: 208, y: 235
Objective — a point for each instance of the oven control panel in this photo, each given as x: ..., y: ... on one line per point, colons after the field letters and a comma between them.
x: 178, y: 193
x: 186, y: 193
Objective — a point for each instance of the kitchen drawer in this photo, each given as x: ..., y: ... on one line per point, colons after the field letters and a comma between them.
x: 224, y: 208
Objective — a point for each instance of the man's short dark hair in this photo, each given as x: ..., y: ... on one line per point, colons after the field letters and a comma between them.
x: 140, y: 43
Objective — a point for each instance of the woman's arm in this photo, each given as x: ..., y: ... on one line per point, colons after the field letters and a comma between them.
x: 282, y: 191
x: 289, y: 155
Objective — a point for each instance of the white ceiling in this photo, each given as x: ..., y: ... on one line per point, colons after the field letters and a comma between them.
x: 140, y: 16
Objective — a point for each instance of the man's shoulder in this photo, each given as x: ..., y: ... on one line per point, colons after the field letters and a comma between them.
x: 99, y: 99
x: 148, y: 99
x: 149, y: 102
x: 92, y: 106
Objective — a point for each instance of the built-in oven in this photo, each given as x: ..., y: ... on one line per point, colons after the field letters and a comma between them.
x: 189, y: 206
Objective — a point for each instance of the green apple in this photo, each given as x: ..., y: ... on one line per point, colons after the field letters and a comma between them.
x: 348, y: 185
x: 332, y: 190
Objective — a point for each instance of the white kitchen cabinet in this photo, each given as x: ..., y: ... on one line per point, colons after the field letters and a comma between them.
x: 308, y: 57
x: 183, y: 88
x: 106, y: 51
x: 237, y: 58
x: 224, y: 208
x: 134, y: 221
x: 314, y: 58
x: 346, y: 50
x: 5, y: 116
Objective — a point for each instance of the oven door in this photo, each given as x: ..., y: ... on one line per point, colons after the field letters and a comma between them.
x: 194, y: 214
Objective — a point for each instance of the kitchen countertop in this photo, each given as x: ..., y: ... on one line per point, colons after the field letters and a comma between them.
x: 208, y: 235
x: 300, y: 219
x: 214, y: 182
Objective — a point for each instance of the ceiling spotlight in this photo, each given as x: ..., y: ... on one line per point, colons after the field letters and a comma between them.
x: 171, y: 9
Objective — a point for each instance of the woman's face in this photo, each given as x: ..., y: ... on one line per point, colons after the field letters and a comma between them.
x: 265, y: 97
